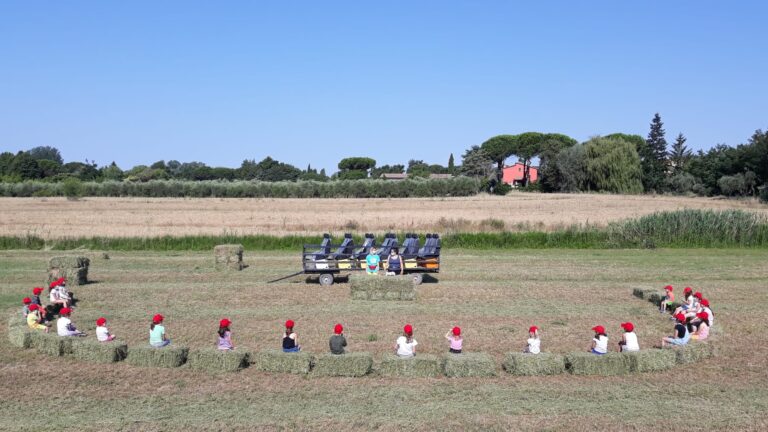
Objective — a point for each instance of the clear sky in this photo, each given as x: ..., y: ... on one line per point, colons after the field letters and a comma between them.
x: 313, y: 82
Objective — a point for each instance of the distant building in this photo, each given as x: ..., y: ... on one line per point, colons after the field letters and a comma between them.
x: 394, y: 176
x: 513, y: 174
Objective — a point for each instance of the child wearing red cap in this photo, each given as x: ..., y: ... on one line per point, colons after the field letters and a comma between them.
x: 688, y: 303
x: 405, y: 346
x: 58, y: 297
x: 533, y: 343
x: 35, y: 320
x: 599, y: 342
x: 337, y: 341
x: 628, y: 342
x: 681, y: 335
x: 668, y: 299
x: 65, y: 326
x: 26, y: 302
x: 36, y: 301
x: 701, y: 325
x: 225, y: 335
x: 102, y: 332
x: 157, y: 337
x: 705, y: 308
x: 290, y: 339
x: 455, y: 341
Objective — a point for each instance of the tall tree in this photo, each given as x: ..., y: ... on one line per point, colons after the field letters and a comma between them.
x: 476, y: 163
x: 498, y: 149
x: 451, y: 166
x: 613, y: 166
x: 679, y: 155
x: 653, y: 157
x: 46, y: 153
x: 526, y: 147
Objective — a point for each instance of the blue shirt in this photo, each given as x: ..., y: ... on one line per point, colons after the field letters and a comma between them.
x: 372, y: 263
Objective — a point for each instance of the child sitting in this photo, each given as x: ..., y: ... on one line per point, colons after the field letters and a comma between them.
x: 455, y: 340
x: 696, y: 308
x: 56, y: 296
x: 35, y: 320
x: 36, y: 301
x: 628, y: 341
x: 705, y: 308
x: 702, y: 327
x: 668, y: 299
x: 405, y: 346
x: 337, y: 341
x: 534, y: 343
x: 225, y: 335
x: 102, y: 332
x: 26, y: 301
x: 687, y: 303
x: 290, y: 339
x: 65, y: 326
x: 157, y: 337
x: 681, y: 335
x: 599, y: 342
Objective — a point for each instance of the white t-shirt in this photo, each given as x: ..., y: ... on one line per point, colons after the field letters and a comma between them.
x: 601, y: 344
x: 54, y: 294
x: 62, y: 327
x: 102, y: 334
x: 404, y: 348
x: 632, y: 344
x: 534, y: 345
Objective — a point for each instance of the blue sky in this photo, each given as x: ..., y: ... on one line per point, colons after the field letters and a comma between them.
x: 313, y: 82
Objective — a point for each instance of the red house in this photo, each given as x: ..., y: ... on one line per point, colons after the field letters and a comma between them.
x: 513, y: 174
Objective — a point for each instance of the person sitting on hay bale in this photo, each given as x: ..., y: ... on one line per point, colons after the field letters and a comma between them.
x: 691, y: 313
x: 65, y: 327
x: 59, y: 297
x: 681, y: 335
x: 455, y: 341
x: 338, y: 342
x: 688, y: 301
x: 534, y: 342
x: 628, y: 342
x: 102, y: 332
x: 705, y: 308
x: 290, y: 339
x: 700, y: 327
x: 405, y: 346
x: 668, y: 299
x: 599, y: 342
x: 372, y: 262
x: 395, y: 265
x: 36, y: 291
x: 26, y: 301
x: 157, y: 337
x: 35, y: 319
x: 225, y: 336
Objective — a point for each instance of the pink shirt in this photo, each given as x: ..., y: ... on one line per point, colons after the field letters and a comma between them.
x: 456, y: 344
x: 703, y: 331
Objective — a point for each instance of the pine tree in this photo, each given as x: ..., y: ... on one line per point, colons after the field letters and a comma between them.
x: 679, y: 155
x: 451, y: 166
x: 653, y: 156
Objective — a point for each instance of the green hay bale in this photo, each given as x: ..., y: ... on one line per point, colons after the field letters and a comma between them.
x: 19, y: 332
x: 344, y: 365
x: 68, y: 262
x: 533, y: 364
x: 147, y: 356
x: 655, y: 297
x: 653, y: 360
x: 91, y: 350
x: 585, y: 363
x: 216, y: 360
x: 50, y: 343
x: 368, y: 287
x: 278, y: 361
x: 421, y: 366
x: 228, y: 257
x: 468, y: 365
x: 73, y: 268
x: 693, y: 352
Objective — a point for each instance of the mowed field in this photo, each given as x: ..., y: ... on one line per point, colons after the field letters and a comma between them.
x: 150, y: 217
x: 494, y: 296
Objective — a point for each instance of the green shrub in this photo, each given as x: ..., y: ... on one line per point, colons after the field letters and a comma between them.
x: 94, y: 351
x: 421, y: 366
x: 278, y: 361
x: 468, y: 365
x: 216, y: 360
x: 51, y: 344
x: 148, y: 356
x: 72, y: 188
x: 344, y: 365
x: 693, y: 352
x: 534, y: 364
x: 585, y: 363
x: 653, y: 360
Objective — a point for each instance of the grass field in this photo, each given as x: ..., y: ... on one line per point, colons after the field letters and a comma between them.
x: 494, y: 296
x: 147, y: 217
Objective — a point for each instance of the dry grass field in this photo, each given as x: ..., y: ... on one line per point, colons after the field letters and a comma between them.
x: 150, y: 217
x: 493, y: 295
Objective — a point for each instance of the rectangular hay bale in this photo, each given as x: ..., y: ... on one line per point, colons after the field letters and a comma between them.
x: 525, y: 364
x: 19, y: 332
x: 469, y: 365
x: 278, y: 361
x: 92, y: 350
x: 655, y: 297
x: 421, y: 366
x: 578, y: 363
x: 68, y: 262
x: 343, y: 365
x: 693, y: 352
x: 51, y: 344
x: 652, y: 360
x: 216, y: 360
x: 148, y: 356
x: 377, y: 287
x: 228, y: 257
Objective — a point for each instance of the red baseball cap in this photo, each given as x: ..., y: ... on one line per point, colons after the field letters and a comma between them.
x: 533, y: 329
x: 37, y: 290
x: 599, y: 329
x: 669, y: 288
x: 704, y: 302
x: 456, y: 331
x: 65, y: 311
x: 628, y: 326
x: 26, y: 300
x: 157, y: 319
x: 338, y: 328
x: 688, y: 289
x: 34, y: 307
x: 408, y: 329
x: 697, y: 295
x: 702, y: 315
x: 57, y: 282
x: 225, y: 323
x: 289, y: 324
x: 680, y: 317
x: 101, y: 321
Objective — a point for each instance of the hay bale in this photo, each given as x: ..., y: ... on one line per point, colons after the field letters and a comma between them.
x: 344, y: 365
x: 653, y: 360
x: 655, y: 297
x: 421, y: 366
x: 19, y: 332
x: 228, y: 257
x: 693, y: 352
x: 368, y: 287
x: 69, y: 262
x: 148, y: 356
x: 216, y: 360
x: 73, y: 268
x: 533, y: 364
x: 91, y: 350
x: 278, y: 361
x: 579, y: 363
x: 50, y: 343
x: 468, y: 365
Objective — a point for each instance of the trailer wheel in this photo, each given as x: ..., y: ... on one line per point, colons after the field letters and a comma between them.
x: 417, y: 278
x: 326, y: 279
